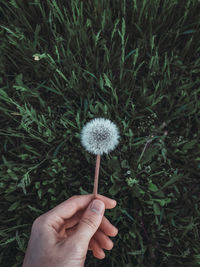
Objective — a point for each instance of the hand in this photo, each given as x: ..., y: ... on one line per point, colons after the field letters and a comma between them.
x: 62, y: 236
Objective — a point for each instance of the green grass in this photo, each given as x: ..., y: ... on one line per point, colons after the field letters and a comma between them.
x: 135, y: 62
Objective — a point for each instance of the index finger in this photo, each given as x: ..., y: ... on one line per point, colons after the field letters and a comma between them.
x: 69, y: 207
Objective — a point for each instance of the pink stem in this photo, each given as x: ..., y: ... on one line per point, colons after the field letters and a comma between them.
x: 96, y: 177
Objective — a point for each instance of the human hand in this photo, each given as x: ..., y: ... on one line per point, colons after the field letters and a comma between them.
x: 62, y: 236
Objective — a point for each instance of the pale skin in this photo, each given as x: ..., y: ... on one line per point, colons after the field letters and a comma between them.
x: 63, y: 235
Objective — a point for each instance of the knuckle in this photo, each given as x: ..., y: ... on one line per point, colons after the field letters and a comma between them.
x: 90, y: 222
x: 38, y: 222
x: 73, y: 197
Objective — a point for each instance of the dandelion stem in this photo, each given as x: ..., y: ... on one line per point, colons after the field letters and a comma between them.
x: 148, y: 141
x: 96, y: 177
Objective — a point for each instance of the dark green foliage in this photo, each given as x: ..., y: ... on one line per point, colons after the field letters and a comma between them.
x: 135, y: 62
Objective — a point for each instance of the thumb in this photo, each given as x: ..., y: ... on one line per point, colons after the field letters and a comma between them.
x: 90, y: 221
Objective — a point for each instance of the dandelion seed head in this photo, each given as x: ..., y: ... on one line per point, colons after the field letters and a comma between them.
x: 100, y: 136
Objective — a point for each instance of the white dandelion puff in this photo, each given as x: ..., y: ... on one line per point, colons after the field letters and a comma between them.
x: 99, y: 136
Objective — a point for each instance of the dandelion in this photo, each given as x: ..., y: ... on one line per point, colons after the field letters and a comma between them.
x: 99, y: 136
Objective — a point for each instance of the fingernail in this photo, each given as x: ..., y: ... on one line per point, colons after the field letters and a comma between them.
x: 97, y: 206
